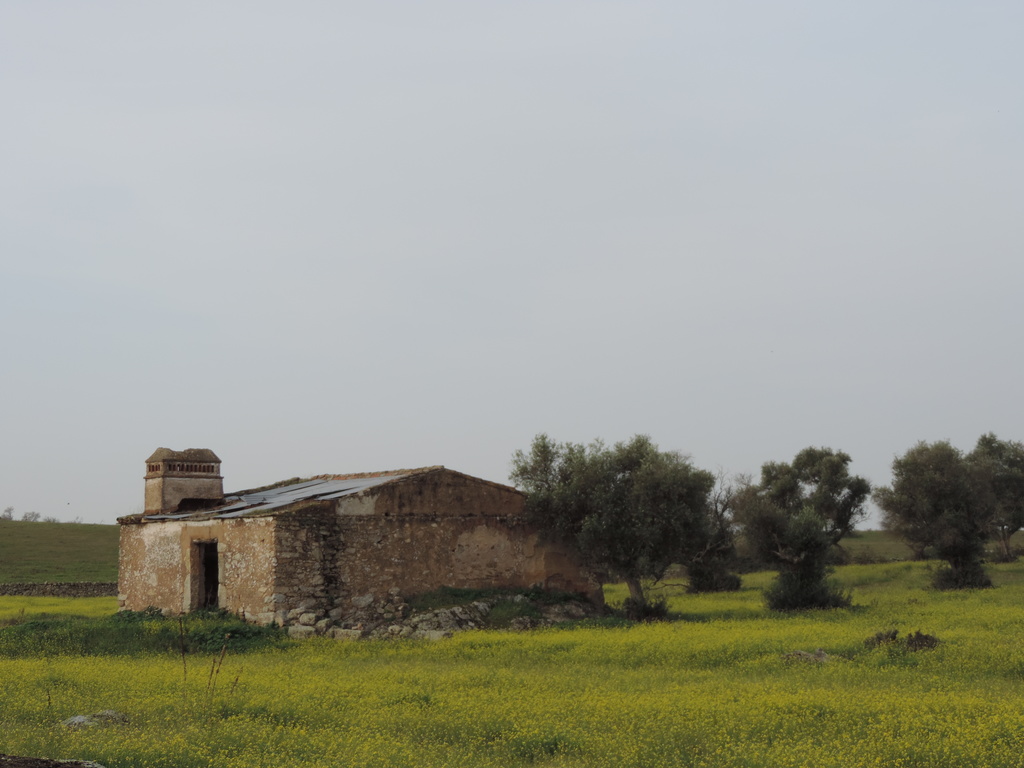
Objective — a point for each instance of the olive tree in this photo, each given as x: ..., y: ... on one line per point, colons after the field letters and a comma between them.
x: 629, y: 510
x: 794, y: 517
x: 1001, y: 465
x: 711, y: 561
x: 940, y: 498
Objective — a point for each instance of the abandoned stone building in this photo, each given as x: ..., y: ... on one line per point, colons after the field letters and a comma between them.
x: 326, y: 540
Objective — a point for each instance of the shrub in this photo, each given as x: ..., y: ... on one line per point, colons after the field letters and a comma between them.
x: 134, y: 617
x: 969, y: 575
x: 646, y: 611
x: 918, y: 641
x: 881, y: 638
x: 792, y: 591
x: 553, y: 596
x: 712, y: 579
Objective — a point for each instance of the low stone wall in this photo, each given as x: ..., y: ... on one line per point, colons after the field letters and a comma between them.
x: 55, y: 589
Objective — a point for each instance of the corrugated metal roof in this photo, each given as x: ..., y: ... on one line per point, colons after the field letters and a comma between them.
x: 255, y: 502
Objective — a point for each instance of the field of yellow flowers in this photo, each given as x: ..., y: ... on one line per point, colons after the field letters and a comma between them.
x: 713, y: 688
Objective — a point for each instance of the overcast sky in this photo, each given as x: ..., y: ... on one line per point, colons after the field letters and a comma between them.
x: 339, y: 237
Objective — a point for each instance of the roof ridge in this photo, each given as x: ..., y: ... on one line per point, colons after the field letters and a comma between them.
x: 382, y: 473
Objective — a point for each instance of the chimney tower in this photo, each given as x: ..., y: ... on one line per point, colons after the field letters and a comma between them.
x: 179, y: 480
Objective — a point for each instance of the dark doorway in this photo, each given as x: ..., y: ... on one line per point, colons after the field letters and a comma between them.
x: 208, y: 573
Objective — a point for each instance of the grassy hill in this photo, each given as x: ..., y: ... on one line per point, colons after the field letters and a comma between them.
x: 34, y: 552
x: 875, y: 547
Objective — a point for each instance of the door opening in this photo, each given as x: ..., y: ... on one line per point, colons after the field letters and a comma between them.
x: 208, y: 573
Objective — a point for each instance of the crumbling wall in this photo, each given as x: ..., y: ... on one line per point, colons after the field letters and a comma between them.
x: 446, y: 529
x: 157, y: 564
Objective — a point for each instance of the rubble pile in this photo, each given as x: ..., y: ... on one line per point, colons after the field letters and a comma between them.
x: 391, y: 617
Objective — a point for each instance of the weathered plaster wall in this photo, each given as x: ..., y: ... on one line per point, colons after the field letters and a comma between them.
x: 247, y: 550
x: 164, y: 492
x: 150, y: 567
x: 158, y: 564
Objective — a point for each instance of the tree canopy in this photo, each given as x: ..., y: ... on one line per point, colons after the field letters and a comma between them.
x: 794, y: 516
x: 710, y: 565
x: 818, y: 478
x: 1001, y: 463
x: 942, y: 499
x: 630, y: 510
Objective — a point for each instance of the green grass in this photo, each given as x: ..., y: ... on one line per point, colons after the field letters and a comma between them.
x: 14, y: 610
x: 130, y: 633
x: 875, y: 547
x: 59, y: 552
x: 713, y: 690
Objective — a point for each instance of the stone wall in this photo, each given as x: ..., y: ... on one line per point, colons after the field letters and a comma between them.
x: 421, y: 555
x: 59, y: 589
x: 306, y: 546
x: 446, y: 529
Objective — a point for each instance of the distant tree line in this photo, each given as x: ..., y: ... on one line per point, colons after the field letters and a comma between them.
x: 631, y: 511
x: 32, y: 517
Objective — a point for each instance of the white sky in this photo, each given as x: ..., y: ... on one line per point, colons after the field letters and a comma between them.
x: 340, y: 237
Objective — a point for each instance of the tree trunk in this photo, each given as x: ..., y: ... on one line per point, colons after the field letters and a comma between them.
x: 1004, y: 545
x: 636, y: 591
